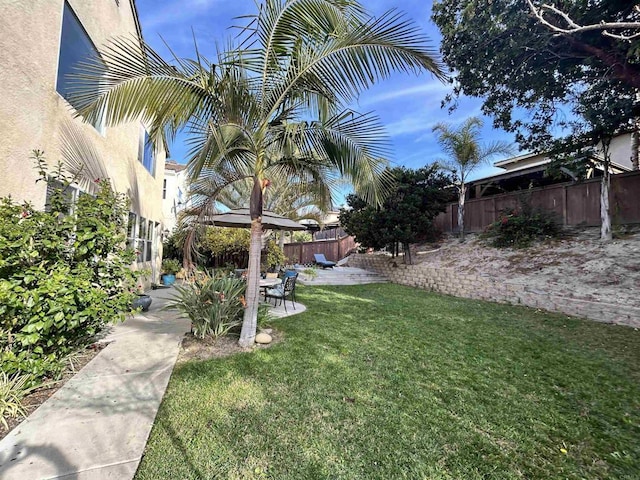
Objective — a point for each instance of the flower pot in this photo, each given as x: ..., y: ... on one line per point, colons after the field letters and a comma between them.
x: 142, y: 301
x: 168, y: 279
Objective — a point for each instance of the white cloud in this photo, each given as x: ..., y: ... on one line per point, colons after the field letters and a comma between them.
x: 430, y: 89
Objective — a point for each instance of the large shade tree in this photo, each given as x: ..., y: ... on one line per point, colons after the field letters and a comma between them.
x: 274, y: 106
x: 530, y: 76
x: 465, y: 152
x: 541, y: 68
x: 406, y: 216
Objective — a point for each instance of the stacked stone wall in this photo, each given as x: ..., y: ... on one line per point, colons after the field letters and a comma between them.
x: 448, y: 281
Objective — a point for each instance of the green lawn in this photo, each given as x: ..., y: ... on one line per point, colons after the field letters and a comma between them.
x: 386, y: 382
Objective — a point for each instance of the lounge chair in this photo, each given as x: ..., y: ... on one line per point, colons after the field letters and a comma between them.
x: 322, y: 261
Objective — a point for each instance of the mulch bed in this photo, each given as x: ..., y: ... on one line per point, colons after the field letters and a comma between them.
x: 36, y: 398
x: 194, y: 348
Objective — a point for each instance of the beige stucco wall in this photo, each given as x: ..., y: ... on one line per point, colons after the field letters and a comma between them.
x: 31, y: 111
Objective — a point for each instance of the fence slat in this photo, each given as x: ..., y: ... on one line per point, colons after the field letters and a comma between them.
x: 575, y: 203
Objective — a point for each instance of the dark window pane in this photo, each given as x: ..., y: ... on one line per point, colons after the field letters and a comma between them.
x: 142, y: 230
x: 132, y: 225
x: 75, y: 47
x: 148, y: 159
x: 140, y: 251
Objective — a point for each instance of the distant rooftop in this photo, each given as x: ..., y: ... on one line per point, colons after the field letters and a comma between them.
x: 173, y: 165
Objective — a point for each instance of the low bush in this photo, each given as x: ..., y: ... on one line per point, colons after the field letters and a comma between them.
x: 171, y: 266
x: 214, y: 304
x: 12, y: 390
x: 64, y: 273
x: 520, y: 227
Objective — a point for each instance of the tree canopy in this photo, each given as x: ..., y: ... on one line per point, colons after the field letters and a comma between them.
x: 406, y: 216
x: 534, y: 81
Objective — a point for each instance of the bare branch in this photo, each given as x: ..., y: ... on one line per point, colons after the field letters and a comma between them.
x: 573, y: 27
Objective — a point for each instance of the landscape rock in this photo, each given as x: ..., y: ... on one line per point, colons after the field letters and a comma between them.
x: 263, y: 338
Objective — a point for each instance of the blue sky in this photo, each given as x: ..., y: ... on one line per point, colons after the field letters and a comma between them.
x: 408, y: 106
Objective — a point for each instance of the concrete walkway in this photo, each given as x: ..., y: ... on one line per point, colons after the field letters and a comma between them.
x: 96, y: 426
x: 341, y: 276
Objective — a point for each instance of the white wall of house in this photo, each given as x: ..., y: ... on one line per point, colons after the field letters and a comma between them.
x: 174, y: 194
x: 32, y: 111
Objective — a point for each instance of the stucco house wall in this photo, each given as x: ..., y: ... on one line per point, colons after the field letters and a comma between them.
x: 174, y: 196
x: 32, y: 112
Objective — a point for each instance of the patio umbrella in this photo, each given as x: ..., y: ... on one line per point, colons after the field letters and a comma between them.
x: 240, y: 217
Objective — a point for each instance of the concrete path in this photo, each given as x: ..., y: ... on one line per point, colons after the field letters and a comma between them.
x: 341, y: 276
x: 96, y: 426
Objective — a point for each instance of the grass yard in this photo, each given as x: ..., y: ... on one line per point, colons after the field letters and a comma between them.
x: 386, y: 382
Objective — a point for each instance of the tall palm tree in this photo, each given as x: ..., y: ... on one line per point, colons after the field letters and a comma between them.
x: 274, y: 106
x: 465, y: 153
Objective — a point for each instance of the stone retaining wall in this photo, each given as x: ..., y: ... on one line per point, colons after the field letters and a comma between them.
x: 482, y: 287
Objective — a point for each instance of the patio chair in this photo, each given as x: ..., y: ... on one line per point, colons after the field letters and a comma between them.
x: 286, y: 289
x: 322, y: 261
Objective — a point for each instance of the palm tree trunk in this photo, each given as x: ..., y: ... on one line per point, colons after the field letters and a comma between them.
x: 252, y: 295
x: 463, y: 192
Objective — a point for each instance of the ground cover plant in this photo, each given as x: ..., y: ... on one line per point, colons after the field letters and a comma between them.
x: 385, y: 381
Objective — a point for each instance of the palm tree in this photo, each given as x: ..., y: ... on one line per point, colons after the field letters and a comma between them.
x: 465, y: 153
x: 274, y: 106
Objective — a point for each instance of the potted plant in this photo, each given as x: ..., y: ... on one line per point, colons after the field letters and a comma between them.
x: 142, y: 301
x: 169, y: 269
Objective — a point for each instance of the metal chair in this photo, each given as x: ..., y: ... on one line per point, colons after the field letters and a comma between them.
x: 284, y: 290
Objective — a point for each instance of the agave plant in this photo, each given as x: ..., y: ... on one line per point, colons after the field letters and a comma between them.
x: 214, y: 304
x: 274, y: 105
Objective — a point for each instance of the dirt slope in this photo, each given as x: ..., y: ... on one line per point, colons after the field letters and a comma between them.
x: 579, y: 266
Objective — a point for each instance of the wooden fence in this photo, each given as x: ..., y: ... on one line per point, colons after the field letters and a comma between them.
x: 575, y: 204
x: 333, y: 250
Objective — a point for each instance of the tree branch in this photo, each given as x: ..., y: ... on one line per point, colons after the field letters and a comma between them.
x: 573, y: 27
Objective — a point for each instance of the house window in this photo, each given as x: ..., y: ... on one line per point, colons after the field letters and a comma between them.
x: 75, y: 47
x: 146, y: 155
x: 69, y: 193
x: 149, y: 242
x: 131, y: 231
x: 141, y: 237
x: 164, y: 189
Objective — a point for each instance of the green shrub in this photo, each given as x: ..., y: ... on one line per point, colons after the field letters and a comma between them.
x: 302, y: 237
x: 520, y: 227
x: 64, y: 274
x: 274, y: 256
x: 171, y: 266
x: 214, y: 304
